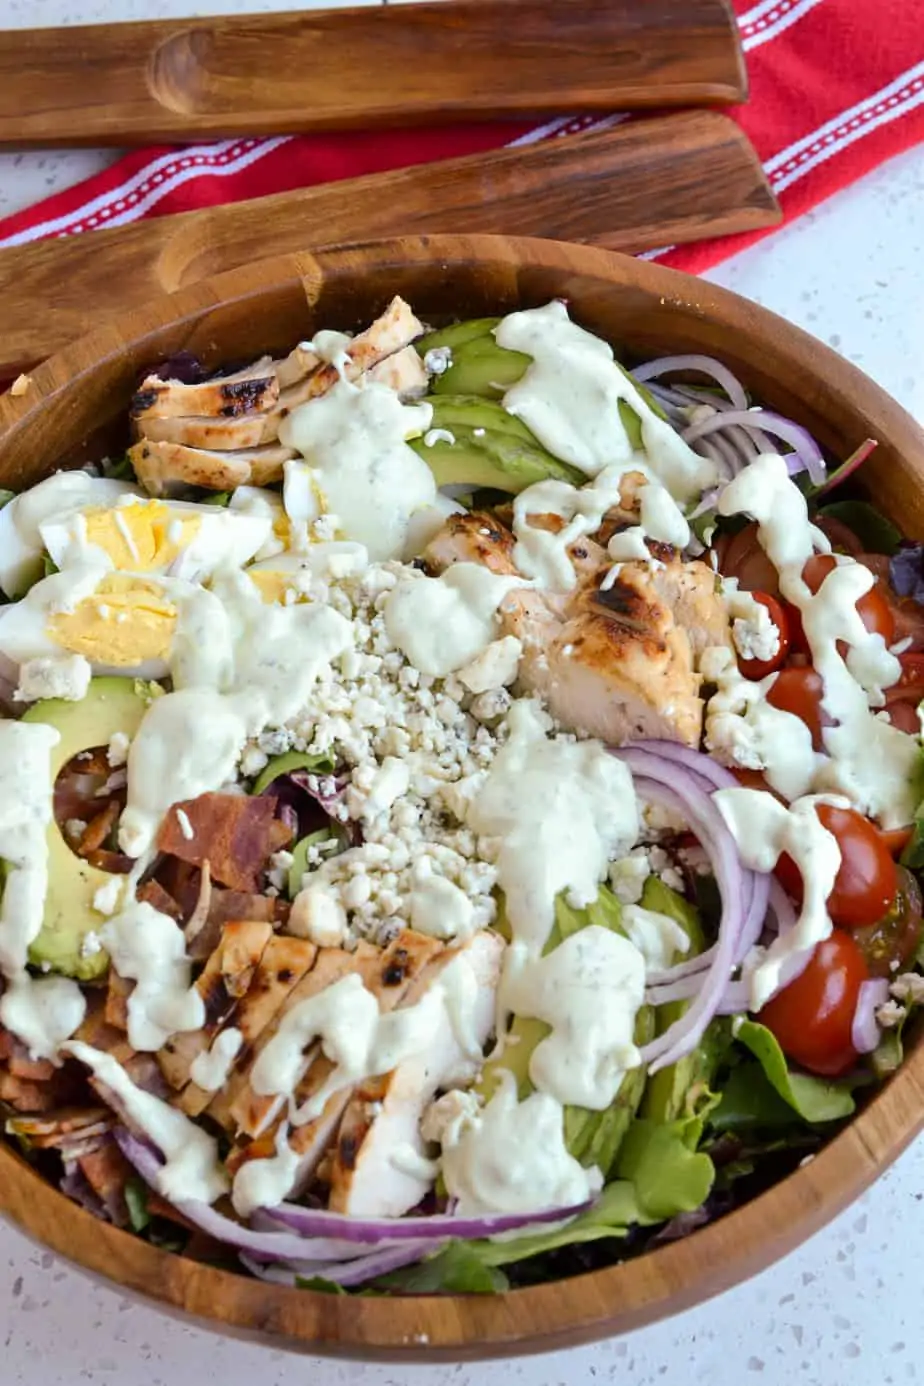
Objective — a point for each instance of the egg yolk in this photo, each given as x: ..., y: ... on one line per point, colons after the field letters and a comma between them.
x: 125, y: 622
x: 273, y: 585
x: 143, y: 536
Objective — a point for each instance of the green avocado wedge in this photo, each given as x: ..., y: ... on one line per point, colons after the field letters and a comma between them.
x: 111, y: 705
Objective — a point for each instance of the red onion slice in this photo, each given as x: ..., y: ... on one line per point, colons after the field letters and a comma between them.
x: 864, y: 1033
x: 313, y: 1222
x: 272, y: 1245
x: 686, y: 1033
x: 354, y: 1273
x: 704, y: 365
x: 807, y: 455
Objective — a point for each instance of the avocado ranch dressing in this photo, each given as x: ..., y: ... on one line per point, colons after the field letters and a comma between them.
x: 550, y: 812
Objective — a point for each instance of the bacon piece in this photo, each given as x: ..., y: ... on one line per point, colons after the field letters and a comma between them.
x: 107, y: 1172
x: 235, y: 833
x: 160, y: 899
x: 119, y: 990
x: 99, y: 828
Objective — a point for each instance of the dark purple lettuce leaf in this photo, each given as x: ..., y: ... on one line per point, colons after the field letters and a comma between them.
x: 906, y: 571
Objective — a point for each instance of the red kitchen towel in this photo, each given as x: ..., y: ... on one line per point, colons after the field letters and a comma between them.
x: 837, y: 87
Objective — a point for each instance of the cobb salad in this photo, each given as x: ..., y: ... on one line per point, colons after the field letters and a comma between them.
x: 460, y: 806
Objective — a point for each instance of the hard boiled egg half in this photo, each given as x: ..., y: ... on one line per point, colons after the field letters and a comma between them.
x: 183, y: 539
x: 122, y: 623
x: 22, y: 547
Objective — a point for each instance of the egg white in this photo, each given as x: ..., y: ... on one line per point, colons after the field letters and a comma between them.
x: 222, y: 538
x: 21, y: 544
x: 24, y: 625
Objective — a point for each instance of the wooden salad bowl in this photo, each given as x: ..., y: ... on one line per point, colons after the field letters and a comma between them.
x: 75, y: 405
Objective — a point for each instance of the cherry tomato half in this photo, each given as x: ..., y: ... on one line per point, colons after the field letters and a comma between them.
x: 800, y: 691
x: 756, y: 669
x: 812, y: 1017
x: 867, y: 880
x: 905, y: 717
x: 891, y: 943
x: 745, y: 560
x: 874, y: 609
x: 910, y: 685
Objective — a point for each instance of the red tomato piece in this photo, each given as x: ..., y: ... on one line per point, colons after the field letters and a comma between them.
x: 874, y: 609
x: 812, y: 1017
x: 756, y: 669
x: 891, y: 943
x: 910, y: 686
x: 800, y: 691
x: 867, y: 881
x: 745, y: 560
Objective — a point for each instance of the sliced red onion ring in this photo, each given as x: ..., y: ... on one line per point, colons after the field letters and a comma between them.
x: 315, y: 1236
x: 806, y: 457
x: 704, y: 365
x: 271, y: 1245
x: 864, y: 1033
x: 356, y: 1272
x: 670, y: 785
x: 313, y: 1222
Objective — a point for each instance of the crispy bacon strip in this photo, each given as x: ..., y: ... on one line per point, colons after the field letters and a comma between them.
x: 155, y: 895
x: 235, y: 833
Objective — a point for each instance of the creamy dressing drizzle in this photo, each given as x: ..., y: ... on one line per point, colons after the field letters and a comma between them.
x: 192, y: 1170
x: 210, y: 1070
x: 870, y: 762
x: 443, y: 623
x: 40, y: 1012
x: 511, y: 1157
x: 542, y: 554
x: 149, y: 948
x: 570, y: 397
x: 588, y: 989
x: 354, y: 439
x: 560, y: 810
x: 764, y: 829
x: 266, y: 1183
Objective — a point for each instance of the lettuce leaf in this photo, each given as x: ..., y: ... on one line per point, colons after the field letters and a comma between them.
x: 813, y: 1099
x: 874, y: 531
x: 667, y: 1173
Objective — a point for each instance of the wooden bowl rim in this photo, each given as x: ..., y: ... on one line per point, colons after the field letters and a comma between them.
x: 561, y: 1313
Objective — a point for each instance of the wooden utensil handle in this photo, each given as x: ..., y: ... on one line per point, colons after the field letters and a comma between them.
x: 363, y: 68
x: 648, y: 182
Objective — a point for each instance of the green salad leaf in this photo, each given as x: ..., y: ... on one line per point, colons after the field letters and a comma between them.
x: 285, y: 764
x: 874, y: 531
x: 136, y: 1200
x: 749, y: 1101
x: 317, y: 1282
x: 813, y: 1099
x: 460, y: 1268
x: 300, y: 858
x: 667, y: 1173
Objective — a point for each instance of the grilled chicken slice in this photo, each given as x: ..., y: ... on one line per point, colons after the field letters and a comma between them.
x: 405, y: 373
x: 388, y: 975
x: 284, y: 963
x: 164, y: 468
x: 248, y: 391
x: 226, y: 977
x: 616, y: 661
x: 190, y: 446
x: 379, y: 1166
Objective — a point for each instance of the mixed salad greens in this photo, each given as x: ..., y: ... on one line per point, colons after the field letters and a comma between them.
x: 461, y: 807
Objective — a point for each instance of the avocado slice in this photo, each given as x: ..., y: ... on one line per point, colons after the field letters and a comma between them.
x: 111, y: 705
x: 481, y: 458
x: 457, y: 334
x: 481, y: 367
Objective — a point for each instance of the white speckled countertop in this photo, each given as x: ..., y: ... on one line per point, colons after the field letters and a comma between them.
x: 845, y: 1310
